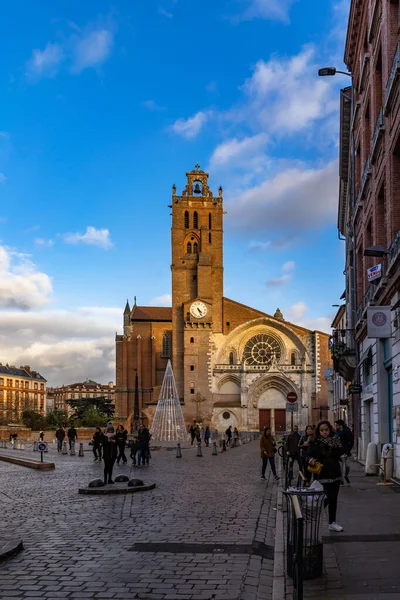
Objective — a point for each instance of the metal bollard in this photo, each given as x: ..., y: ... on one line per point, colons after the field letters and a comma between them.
x: 214, y: 450
x: 223, y: 446
x: 64, y: 448
x: 199, y: 452
x: 35, y: 446
x: 72, y: 451
x: 178, y: 451
x: 81, y: 453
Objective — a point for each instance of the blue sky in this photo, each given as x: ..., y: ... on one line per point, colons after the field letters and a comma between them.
x: 104, y: 106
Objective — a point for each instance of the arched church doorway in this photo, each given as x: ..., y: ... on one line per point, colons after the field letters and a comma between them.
x: 272, y: 410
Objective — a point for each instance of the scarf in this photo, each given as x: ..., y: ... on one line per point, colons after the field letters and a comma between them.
x: 331, y: 441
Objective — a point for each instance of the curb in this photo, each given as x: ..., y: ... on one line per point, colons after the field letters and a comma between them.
x: 278, y: 586
x: 27, y: 462
x: 10, y: 548
x: 110, y: 491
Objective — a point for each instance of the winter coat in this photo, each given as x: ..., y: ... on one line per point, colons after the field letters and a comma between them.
x: 97, y: 437
x: 346, y: 439
x: 121, y: 437
x: 329, y: 455
x: 267, y: 446
x: 305, y: 439
x: 292, y: 443
x: 60, y: 434
x: 109, y: 447
x: 72, y: 433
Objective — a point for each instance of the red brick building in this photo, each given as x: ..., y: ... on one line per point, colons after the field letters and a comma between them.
x: 369, y: 211
x: 233, y: 364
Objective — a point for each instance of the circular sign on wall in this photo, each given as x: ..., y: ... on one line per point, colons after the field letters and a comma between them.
x: 291, y: 397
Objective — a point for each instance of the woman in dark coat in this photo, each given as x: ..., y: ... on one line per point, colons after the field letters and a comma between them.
x: 109, y: 444
x: 267, y: 451
x: 326, y: 449
x: 121, y: 436
x: 97, y: 436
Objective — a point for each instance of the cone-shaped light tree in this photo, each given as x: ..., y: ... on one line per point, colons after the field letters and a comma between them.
x: 168, y: 423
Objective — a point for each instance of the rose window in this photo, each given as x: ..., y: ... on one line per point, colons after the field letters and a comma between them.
x: 261, y: 350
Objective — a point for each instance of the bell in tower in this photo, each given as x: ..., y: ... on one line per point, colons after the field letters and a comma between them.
x: 197, y: 188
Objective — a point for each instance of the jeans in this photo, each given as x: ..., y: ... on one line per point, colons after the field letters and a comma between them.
x: 332, y: 491
x: 97, y: 451
x: 271, y: 460
x: 71, y: 441
x: 59, y: 445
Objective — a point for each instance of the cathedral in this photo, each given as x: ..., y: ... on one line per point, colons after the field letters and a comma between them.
x: 233, y: 364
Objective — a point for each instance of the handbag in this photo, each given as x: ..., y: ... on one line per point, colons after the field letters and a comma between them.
x: 315, y: 469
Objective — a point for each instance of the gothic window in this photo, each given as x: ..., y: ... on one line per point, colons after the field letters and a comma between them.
x: 186, y: 219
x: 209, y: 221
x: 209, y: 238
x: 189, y: 248
x: 166, y: 344
x: 195, y: 220
x: 261, y: 350
x: 195, y: 248
x: 293, y: 358
x: 231, y: 358
x: 192, y: 340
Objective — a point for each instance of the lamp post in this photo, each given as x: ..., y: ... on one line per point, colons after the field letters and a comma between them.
x: 351, y: 243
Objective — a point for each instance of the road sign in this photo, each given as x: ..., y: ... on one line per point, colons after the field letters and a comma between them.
x: 291, y: 397
x: 355, y: 388
x: 41, y: 447
x: 292, y: 407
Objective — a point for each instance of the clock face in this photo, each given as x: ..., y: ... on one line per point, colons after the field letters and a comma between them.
x: 198, y: 309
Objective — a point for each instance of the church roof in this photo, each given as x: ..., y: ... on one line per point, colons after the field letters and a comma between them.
x: 151, y: 313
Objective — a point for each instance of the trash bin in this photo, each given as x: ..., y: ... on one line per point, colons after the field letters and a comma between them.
x: 311, y: 503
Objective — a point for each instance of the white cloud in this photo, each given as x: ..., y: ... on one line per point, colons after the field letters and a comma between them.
x: 277, y: 10
x: 284, y: 95
x: 287, y: 270
x: 293, y: 200
x: 297, y: 314
x: 91, y: 237
x: 235, y: 151
x: 164, y: 300
x: 191, y: 127
x: 2, y: 178
x: 21, y: 284
x: 64, y: 346
x: 152, y: 105
x: 165, y: 13
x: 83, y: 49
x: 259, y: 246
x: 288, y: 266
x: 44, y: 243
x: 91, y: 49
x: 45, y: 63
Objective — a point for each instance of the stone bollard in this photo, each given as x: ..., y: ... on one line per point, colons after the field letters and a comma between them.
x: 72, y: 451
x: 64, y: 448
x: 371, y: 461
x: 22, y: 446
x: 178, y: 451
x: 81, y: 453
x: 35, y: 446
x: 199, y: 452
x: 214, y: 450
x: 223, y: 446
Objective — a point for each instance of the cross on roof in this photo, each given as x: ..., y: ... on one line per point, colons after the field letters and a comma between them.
x: 197, y: 166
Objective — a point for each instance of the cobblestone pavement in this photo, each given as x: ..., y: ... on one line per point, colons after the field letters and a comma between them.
x: 84, y: 546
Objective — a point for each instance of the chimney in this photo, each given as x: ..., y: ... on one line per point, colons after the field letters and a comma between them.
x: 27, y: 369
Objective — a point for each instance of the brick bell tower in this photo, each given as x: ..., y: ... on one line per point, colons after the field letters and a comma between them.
x: 197, y: 287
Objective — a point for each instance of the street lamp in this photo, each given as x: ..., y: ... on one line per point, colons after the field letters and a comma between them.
x: 330, y: 72
x: 377, y: 251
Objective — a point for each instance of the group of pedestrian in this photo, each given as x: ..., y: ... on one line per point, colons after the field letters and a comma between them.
x: 71, y: 434
x: 196, y: 433
x: 319, y: 453
x: 140, y: 447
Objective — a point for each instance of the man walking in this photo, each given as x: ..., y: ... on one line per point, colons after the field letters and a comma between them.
x: 72, y: 436
x: 60, y: 435
x: 144, y: 444
x: 347, y: 441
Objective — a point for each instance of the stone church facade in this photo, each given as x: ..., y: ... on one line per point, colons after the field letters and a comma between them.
x: 233, y: 364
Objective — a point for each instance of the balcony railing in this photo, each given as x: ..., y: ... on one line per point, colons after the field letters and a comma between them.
x: 241, y: 368
x: 394, y: 249
x: 375, y: 19
x: 364, y: 70
x: 393, y: 79
x: 365, y: 176
x: 379, y: 129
